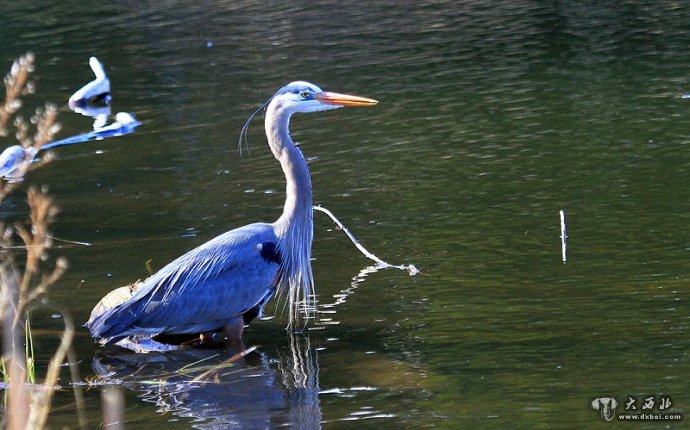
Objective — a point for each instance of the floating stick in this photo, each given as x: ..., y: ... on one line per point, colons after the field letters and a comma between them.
x: 72, y: 242
x: 411, y: 269
x: 564, y: 236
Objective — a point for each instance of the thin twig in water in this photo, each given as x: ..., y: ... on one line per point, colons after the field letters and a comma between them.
x: 213, y: 372
x: 71, y: 242
x: 191, y: 366
x: 410, y: 268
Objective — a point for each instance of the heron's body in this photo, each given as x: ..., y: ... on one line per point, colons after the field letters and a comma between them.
x: 225, y: 282
x: 226, y: 269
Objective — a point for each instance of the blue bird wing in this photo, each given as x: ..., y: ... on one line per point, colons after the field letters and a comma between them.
x: 202, y: 289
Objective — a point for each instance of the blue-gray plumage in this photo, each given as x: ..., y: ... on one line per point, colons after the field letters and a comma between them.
x: 224, y: 283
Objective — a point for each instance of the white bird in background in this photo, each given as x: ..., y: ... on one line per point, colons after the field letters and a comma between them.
x: 97, y: 90
x: 15, y: 159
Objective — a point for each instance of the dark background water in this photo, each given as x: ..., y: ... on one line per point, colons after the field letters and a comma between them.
x: 493, y: 116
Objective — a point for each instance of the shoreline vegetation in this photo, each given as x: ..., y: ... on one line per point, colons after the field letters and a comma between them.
x: 27, y: 271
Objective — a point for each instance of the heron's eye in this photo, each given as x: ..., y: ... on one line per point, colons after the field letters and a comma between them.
x: 305, y: 94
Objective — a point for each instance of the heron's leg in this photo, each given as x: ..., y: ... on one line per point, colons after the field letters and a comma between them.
x: 233, y: 328
x: 230, y: 334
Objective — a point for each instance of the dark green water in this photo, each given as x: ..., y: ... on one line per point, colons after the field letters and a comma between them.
x: 493, y: 116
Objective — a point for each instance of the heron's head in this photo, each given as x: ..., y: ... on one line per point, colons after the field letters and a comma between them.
x: 300, y: 96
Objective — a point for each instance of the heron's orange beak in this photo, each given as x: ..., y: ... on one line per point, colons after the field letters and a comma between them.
x: 344, y: 99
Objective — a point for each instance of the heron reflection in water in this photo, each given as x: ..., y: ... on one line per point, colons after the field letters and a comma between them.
x: 254, y: 391
x: 225, y: 283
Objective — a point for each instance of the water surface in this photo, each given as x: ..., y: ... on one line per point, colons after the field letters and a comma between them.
x: 492, y: 118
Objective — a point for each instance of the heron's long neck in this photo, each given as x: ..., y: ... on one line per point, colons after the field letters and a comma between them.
x: 294, y: 228
x: 298, y: 200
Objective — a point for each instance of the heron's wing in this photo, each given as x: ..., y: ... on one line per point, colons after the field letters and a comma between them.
x: 210, y: 284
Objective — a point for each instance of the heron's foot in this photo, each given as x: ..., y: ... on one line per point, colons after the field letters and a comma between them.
x: 212, y: 338
x: 230, y: 336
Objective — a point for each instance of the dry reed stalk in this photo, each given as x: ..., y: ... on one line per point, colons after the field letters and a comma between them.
x: 28, y: 407
x: 113, y: 404
x: 17, y: 84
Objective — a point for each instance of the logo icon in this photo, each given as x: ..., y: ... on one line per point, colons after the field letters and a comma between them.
x: 606, y: 407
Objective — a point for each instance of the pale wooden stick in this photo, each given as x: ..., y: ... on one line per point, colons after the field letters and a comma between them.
x: 564, y: 236
x: 411, y: 269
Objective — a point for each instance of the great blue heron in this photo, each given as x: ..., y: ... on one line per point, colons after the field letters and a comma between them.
x: 224, y: 283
